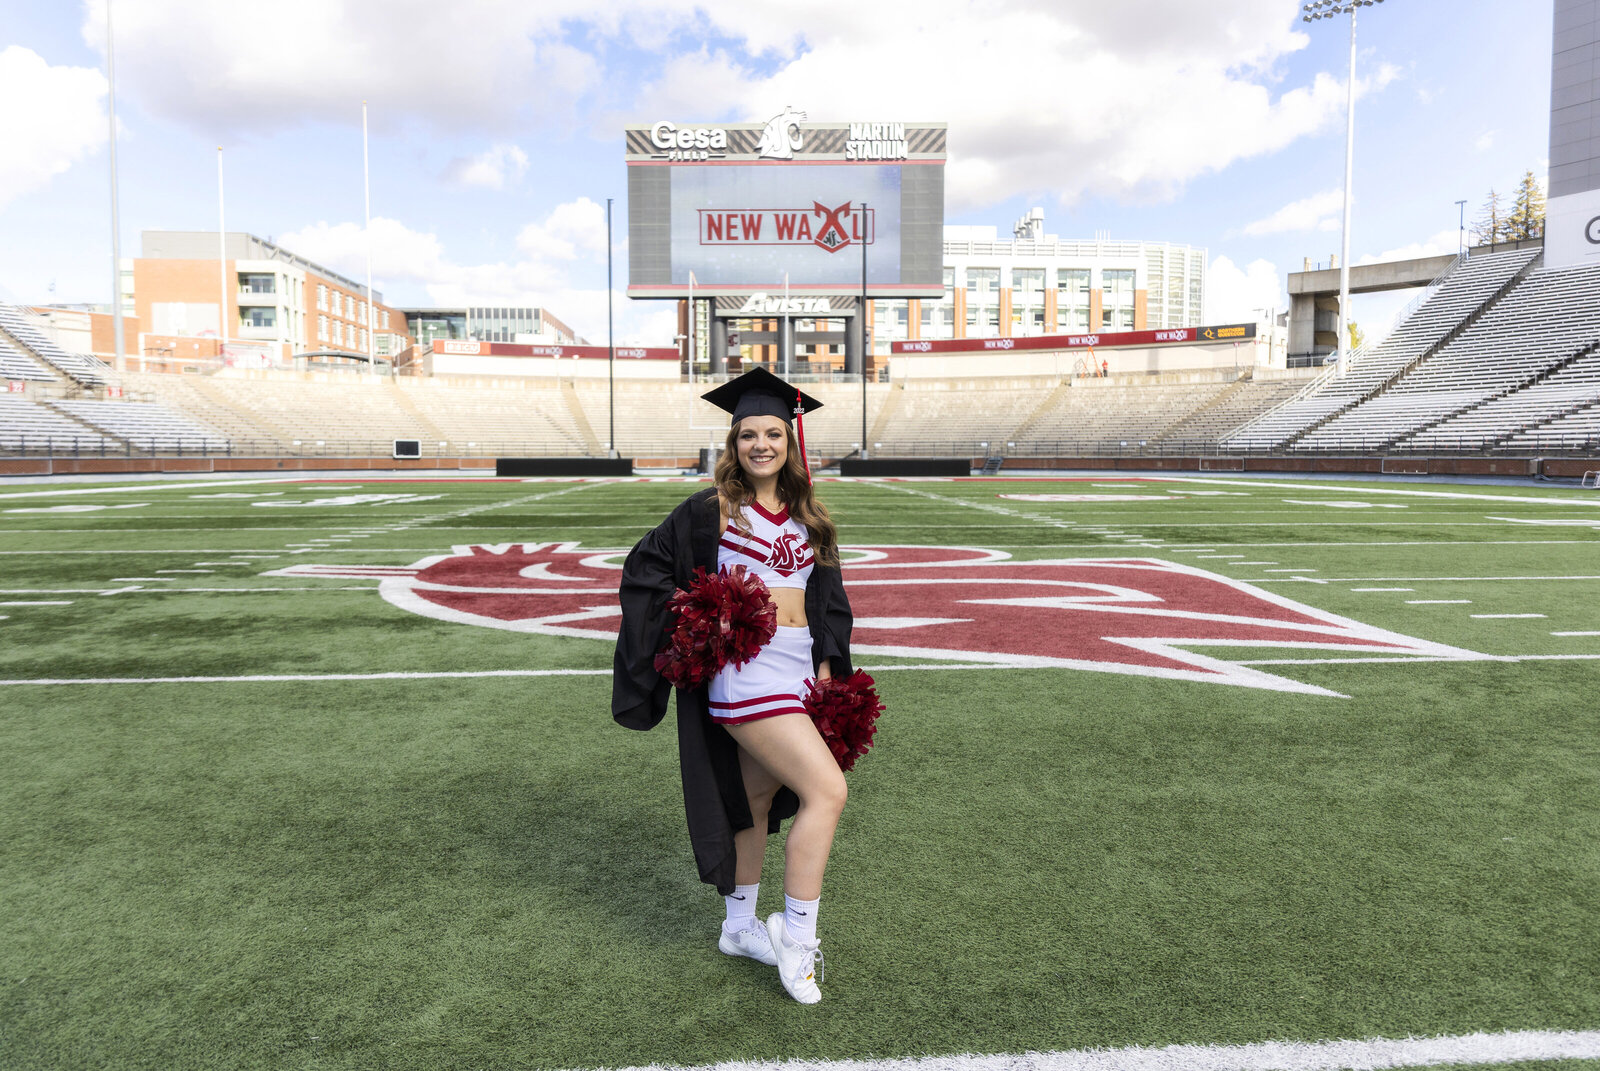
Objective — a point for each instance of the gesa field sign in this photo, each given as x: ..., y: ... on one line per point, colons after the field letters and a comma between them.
x: 746, y: 207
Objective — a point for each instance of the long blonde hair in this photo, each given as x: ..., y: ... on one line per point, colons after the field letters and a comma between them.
x: 734, y: 492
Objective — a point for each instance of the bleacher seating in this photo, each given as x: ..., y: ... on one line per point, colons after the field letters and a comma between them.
x: 87, y: 370
x: 1102, y: 414
x: 26, y: 425
x: 1461, y: 293
x: 14, y: 364
x: 1573, y: 387
x: 1579, y: 429
x: 144, y: 426
x: 1211, y: 423
x: 1550, y: 317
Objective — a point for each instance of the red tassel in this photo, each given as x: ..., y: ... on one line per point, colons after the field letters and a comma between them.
x: 800, y: 425
x: 845, y: 711
x: 722, y: 619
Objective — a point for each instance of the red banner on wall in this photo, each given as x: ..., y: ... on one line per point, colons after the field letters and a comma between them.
x: 1099, y: 340
x: 457, y: 347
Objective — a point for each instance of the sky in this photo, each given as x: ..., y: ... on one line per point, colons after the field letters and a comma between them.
x: 495, y: 128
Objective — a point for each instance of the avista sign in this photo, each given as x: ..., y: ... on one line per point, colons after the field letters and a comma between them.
x: 1140, y: 616
x: 759, y: 304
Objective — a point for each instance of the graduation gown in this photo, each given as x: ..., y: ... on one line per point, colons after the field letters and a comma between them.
x: 713, y: 787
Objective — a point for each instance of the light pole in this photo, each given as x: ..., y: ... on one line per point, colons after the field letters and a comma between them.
x: 1461, y: 244
x: 1327, y: 9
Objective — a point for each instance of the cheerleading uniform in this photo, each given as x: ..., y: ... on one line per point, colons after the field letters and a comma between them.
x: 775, y: 550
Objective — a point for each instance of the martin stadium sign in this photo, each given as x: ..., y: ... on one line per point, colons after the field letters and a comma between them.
x: 745, y: 208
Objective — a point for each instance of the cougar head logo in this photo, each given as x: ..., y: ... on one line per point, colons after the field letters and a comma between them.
x: 781, y: 138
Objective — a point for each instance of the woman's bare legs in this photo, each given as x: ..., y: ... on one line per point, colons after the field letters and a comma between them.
x: 750, y: 845
x: 791, y: 752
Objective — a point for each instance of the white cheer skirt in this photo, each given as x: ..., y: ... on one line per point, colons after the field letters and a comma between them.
x: 770, y: 684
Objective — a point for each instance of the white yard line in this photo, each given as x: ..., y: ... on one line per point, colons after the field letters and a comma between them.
x: 38, y: 602
x: 1480, y: 1048
x: 1383, y: 589
x: 1591, y: 633
x: 143, y: 488
x: 1322, y: 487
x: 1498, y: 617
x: 1438, y: 602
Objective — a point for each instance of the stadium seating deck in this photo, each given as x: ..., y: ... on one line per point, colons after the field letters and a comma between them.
x: 14, y: 364
x: 1461, y: 293
x: 1548, y: 318
x: 144, y: 426
x: 87, y: 370
x: 27, y: 425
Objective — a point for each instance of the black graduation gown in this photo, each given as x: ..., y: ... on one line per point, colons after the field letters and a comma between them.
x: 713, y: 787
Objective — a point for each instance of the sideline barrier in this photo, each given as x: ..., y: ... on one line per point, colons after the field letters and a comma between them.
x: 907, y: 466
x: 563, y: 466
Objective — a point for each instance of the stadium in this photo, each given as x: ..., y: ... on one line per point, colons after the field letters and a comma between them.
x: 1238, y: 677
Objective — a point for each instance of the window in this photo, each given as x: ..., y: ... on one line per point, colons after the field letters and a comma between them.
x: 363, y: 342
x: 889, y: 318
x: 322, y: 329
x: 983, y: 320
x: 1072, y: 287
x: 1118, y: 285
x: 1072, y: 320
x: 257, y: 283
x: 322, y: 296
x: 983, y: 286
x: 258, y: 316
x: 361, y: 312
x: 1027, y: 301
x: 385, y: 318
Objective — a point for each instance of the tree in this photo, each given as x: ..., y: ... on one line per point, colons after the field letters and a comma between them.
x: 1527, y: 210
x: 1358, y: 337
x: 1490, y: 226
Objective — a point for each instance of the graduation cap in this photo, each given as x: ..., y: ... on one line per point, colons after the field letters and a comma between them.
x: 760, y: 393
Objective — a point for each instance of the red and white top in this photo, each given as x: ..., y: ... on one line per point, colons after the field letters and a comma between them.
x: 776, y: 550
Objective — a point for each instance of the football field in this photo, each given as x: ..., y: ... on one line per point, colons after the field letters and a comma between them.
x: 321, y: 774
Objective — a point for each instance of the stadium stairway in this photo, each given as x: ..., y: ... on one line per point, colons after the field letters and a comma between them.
x: 409, y: 404
x: 591, y: 442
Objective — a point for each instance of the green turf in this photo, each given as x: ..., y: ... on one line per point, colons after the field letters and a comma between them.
x: 486, y: 872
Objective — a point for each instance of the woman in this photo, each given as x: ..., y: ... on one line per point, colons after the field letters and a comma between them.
x: 750, y: 756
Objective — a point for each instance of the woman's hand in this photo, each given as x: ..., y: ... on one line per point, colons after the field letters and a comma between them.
x: 824, y: 671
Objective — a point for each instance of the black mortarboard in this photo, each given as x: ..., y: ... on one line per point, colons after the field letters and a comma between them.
x: 759, y: 393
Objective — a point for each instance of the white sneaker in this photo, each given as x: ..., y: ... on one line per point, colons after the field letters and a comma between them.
x: 751, y: 941
x: 796, y: 962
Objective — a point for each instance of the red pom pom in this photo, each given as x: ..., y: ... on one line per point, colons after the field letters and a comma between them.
x: 845, y: 712
x: 723, y: 619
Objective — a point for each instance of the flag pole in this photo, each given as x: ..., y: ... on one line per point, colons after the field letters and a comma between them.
x: 863, y: 354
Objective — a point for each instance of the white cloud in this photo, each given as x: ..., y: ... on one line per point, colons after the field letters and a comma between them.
x: 1443, y: 243
x: 572, y: 229
x: 62, y: 121
x: 488, y: 169
x: 1319, y: 212
x: 1129, y: 99
x: 540, y: 276
x: 1485, y: 141
x: 1234, y: 294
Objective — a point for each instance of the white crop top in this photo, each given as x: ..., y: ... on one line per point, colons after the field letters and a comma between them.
x: 776, y: 550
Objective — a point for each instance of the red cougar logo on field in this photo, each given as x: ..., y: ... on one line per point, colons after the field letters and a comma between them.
x: 788, y: 551
x: 965, y: 605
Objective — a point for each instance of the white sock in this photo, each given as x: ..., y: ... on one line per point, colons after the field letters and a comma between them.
x: 800, y: 919
x: 741, y: 906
